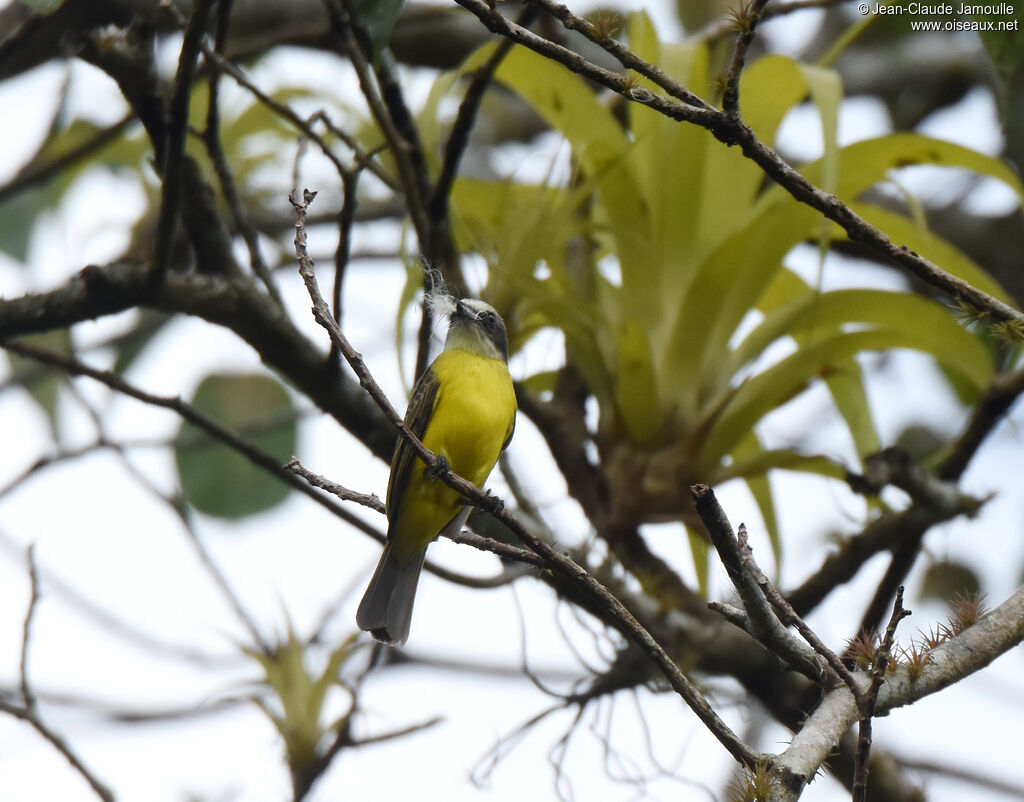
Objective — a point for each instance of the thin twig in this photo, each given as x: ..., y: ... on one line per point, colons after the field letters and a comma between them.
x: 578, y: 576
x: 369, y: 500
x: 412, y: 177
x: 363, y: 160
x: 30, y: 713
x: 284, y: 111
x: 218, y: 577
x: 759, y: 620
x: 866, y: 702
x: 346, y: 218
x: 458, y: 138
x: 41, y: 173
x: 26, y: 628
x: 716, y: 521
x: 195, y: 417
x: 997, y: 401
x: 622, y: 54
x: 215, y: 149
x: 748, y: 17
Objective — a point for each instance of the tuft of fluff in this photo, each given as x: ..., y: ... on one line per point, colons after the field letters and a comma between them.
x: 438, y: 300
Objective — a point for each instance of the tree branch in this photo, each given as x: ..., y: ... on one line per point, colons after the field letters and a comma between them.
x: 230, y: 301
x: 957, y: 658
x: 174, y: 152
x: 748, y: 17
x: 30, y: 712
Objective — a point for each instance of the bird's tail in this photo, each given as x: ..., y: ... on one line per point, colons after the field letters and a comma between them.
x: 386, y: 609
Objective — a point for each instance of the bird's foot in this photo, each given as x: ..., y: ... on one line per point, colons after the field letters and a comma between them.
x: 495, y: 505
x: 439, y: 468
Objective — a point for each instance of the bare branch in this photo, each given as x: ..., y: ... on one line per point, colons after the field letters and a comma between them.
x: 867, y: 701
x: 196, y: 418
x: 233, y: 302
x: 343, y: 493
x: 30, y: 712
x: 211, y: 138
x: 622, y: 54
x: 747, y: 17
x: 755, y: 588
x: 174, y: 151
x: 957, y: 658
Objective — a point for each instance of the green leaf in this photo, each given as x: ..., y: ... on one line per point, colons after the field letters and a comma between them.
x: 44, y: 7
x: 214, y: 478
x: 923, y: 321
x: 729, y: 283
x: 300, y: 696
x: 43, y: 383
x: 379, y: 16
x: 944, y: 581
x: 637, y: 395
x: 20, y: 213
x: 748, y: 463
x: 791, y: 376
x: 863, y: 164
x: 904, y: 231
x: 701, y: 553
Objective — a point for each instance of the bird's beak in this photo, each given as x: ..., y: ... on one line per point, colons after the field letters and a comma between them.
x: 463, y: 310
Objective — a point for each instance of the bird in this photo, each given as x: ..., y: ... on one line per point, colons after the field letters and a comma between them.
x: 463, y: 408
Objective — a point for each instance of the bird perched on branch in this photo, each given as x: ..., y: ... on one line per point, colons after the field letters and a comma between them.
x: 463, y: 408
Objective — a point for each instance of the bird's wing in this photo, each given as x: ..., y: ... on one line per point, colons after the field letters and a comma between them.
x: 417, y: 416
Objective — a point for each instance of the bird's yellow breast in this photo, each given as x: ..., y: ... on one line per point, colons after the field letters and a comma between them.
x: 473, y: 412
x: 473, y: 416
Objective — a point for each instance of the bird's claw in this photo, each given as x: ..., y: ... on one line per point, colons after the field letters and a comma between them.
x: 439, y: 468
x: 497, y: 505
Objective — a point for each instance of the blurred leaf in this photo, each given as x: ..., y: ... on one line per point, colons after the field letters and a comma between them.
x: 701, y: 552
x: 864, y: 164
x: 44, y: 7
x: 1006, y: 49
x: 20, y: 213
x: 378, y: 17
x: 918, y: 238
x: 301, y: 697
x: 791, y: 376
x: 750, y: 463
x: 42, y: 382
x: 118, y: 146
x: 945, y: 581
x: 637, y: 395
x: 216, y: 479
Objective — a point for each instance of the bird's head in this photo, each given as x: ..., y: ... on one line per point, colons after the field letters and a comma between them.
x: 478, y: 328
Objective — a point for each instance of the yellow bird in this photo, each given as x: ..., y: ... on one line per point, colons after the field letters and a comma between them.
x: 463, y: 408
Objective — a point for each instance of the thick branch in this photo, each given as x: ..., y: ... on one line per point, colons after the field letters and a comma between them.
x: 972, y: 650
x: 234, y: 303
